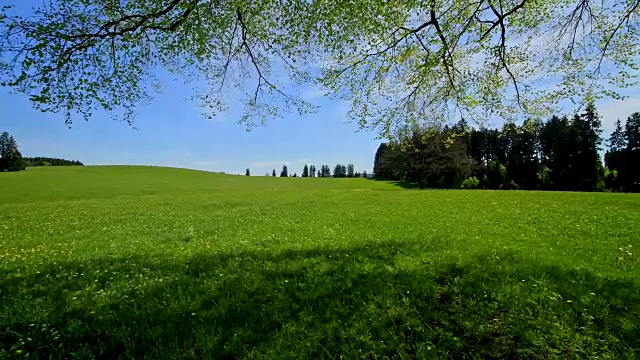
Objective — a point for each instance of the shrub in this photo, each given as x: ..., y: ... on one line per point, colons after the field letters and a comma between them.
x: 511, y: 185
x: 470, y: 183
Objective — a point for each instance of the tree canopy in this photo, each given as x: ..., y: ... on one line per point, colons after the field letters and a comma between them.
x: 397, y: 62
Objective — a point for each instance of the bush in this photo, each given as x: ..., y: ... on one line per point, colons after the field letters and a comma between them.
x: 470, y: 183
x: 511, y: 185
x: 496, y: 174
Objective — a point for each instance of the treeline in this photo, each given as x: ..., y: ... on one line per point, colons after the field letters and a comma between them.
x: 46, y: 161
x: 339, y: 171
x: 11, y: 159
x: 559, y: 154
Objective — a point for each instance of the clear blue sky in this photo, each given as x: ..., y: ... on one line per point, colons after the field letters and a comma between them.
x: 172, y: 132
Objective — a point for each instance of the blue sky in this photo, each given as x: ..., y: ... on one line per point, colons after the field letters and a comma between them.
x: 172, y: 132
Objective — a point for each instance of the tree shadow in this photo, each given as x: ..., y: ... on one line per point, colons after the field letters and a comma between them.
x: 402, y: 184
x: 324, y: 303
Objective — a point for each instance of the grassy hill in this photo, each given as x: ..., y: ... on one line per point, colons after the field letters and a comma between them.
x: 147, y: 262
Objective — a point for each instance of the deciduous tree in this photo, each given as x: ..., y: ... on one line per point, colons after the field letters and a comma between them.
x: 410, y: 62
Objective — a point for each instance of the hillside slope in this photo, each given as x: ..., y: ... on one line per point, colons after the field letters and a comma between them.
x: 160, y: 263
x: 74, y: 182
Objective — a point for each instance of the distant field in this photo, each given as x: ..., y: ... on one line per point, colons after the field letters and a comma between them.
x: 144, y: 262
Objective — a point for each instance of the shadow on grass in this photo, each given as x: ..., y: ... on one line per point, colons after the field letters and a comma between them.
x: 315, y: 304
x: 402, y: 184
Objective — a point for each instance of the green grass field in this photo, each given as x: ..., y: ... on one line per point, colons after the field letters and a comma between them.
x: 144, y: 262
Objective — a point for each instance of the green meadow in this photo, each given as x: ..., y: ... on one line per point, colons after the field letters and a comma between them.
x: 124, y: 262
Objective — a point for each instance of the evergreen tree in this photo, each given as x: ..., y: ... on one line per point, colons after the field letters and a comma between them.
x: 4, y: 151
x: 337, y: 170
x: 364, y: 174
x: 319, y: 174
x: 10, y: 157
x: 632, y: 132
x: 586, y: 163
x: 617, y: 141
x: 615, y: 158
x: 273, y: 173
x: 556, y: 155
x: 326, y: 172
x: 284, y: 172
x: 305, y: 171
x: 630, y: 170
x: 522, y: 154
x: 312, y: 171
x: 247, y: 173
x: 350, y: 170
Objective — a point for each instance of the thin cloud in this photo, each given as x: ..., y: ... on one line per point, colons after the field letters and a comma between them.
x: 260, y: 164
x: 313, y: 92
x: 304, y: 161
x: 264, y: 164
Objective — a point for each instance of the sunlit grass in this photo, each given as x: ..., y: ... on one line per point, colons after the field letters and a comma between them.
x: 135, y: 262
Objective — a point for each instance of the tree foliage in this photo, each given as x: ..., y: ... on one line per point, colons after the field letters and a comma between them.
x: 284, y: 172
x: 350, y: 170
x: 623, y: 156
x: 47, y: 161
x: 559, y: 154
x: 10, y: 157
x: 413, y: 61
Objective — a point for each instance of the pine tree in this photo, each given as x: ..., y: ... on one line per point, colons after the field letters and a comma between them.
x: 273, y: 173
x: 588, y: 166
x: 305, y: 171
x: 350, y: 169
x: 4, y: 151
x: 10, y: 157
x: 632, y: 132
x: 337, y: 170
x: 615, y: 158
x: 617, y: 141
x: 247, y: 173
x: 319, y: 175
x: 312, y: 171
x: 284, y: 172
x: 630, y: 174
x: 327, y: 171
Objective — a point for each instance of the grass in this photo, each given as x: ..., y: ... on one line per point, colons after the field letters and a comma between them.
x: 160, y: 263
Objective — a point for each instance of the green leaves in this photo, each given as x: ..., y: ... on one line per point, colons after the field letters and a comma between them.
x: 397, y: 63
